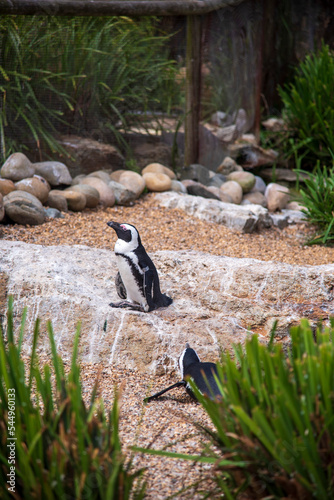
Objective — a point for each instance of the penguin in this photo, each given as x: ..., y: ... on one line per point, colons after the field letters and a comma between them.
x: 137, y: 281
x: 201, y: 373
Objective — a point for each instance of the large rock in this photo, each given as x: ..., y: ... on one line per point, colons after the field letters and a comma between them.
x: 17, y: 167
x: 196, y: 172
x: 241, y: 218
x: 57, y: 200
x: 35, y: 185
x: 217, y: 301
x: 91, y: 194
x: 233, y: 189
x: 245, y: 179
x: 131, y: 180
x: 157, y: 181
x: 88, y: 155
x: 123, y: 196
x: 277, y: 196
x: 6, y: 186
x: 55, y: 172
x: 158, y: 168
x: 76, y: 201
x: 107, y: 197
x: 24, y: 208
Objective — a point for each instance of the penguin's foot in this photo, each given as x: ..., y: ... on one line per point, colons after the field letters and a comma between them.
x: 124, y: 304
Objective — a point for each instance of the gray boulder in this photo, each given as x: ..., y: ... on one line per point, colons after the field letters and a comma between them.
x: 55, y: 172
x: 91, y: 194
x: 212, y: 308
x: 197, y: 173
x: 17, y: 167
x: 24, y: 208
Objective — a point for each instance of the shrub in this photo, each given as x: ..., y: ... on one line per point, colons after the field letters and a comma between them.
x: 77, y: 75
x: 273, y: 430
x: 309, y: 107
x: 62, y: 449
x: 317, y: 197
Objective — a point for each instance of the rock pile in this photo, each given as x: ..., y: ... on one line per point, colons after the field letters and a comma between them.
x: 30, y: 192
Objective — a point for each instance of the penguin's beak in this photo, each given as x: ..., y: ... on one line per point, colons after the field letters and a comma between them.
x: 112, y: 224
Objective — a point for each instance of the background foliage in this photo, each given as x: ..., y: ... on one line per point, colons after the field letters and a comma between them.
x: 71, y: 75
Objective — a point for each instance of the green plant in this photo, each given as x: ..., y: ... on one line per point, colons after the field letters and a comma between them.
x: 309, y: 107
x: 274, y: 425
x: 86, y: 75
x: 51, y: 445
x: 317, y: 196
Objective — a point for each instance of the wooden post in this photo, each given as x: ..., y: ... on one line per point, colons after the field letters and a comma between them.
x: 193, y: 81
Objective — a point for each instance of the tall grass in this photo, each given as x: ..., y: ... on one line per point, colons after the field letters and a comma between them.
x: 272, y: 433
x: 79, y: 75
x: 309, y: 107
x: 60, y: 448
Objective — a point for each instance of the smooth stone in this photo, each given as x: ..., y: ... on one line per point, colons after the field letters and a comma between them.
x: 101, y: 174
x: 75, y: 201
x: 219, y: 194
x: 57, y: 200
x: 294, y: 205
x: 116, y: 175
x: 277, y: 196
x: 217, y: 180
x: 255, y: 198
x: 6, y: 186
x: 77, y: 179
x: 178, y: 187
x: 123, y: 196
x: 197, y: 173
x: 198, y: 189
x: 53, y: 213
x: 133, y: 182
x: 157, y: 182
x: 259, y: 185
x: 91, y: 194
x: 158, y: 168
x: 227, y: 166
x: 24, y: 208
x: 234, y: 190
x: 2, y: 208
x: 107, y: 197
x: 55, y: 172
x: 17, y: 167
x: 245, y: 179
x: 35, y: 185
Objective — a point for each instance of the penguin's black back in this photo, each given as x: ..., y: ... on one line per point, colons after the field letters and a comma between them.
x: 203, y: 374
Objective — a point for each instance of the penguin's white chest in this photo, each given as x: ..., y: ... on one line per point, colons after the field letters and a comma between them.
x: 132, y: 277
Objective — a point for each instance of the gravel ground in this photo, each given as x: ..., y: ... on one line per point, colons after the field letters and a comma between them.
x: 168, y: 421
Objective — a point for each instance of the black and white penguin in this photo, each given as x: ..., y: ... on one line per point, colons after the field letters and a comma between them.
x: 202, y: 373
x: 137, y: 281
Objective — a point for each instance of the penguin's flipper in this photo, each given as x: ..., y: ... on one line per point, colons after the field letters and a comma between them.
x: 123, y: 304
x: 177, y: 384
x: 148, y: 284
x: 120, y: 288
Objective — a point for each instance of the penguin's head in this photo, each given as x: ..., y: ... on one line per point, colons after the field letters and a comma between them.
x: 126, y: 232
x: 188, y: 357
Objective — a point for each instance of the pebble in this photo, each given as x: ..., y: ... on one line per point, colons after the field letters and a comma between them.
x: 157, y: 181
x: 234, y: 190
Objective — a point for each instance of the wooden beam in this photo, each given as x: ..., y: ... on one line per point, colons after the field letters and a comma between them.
x: 193, y: 83
x: 112, y: 7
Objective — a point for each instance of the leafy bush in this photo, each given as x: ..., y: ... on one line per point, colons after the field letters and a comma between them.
x: 77, y: 75
x: 277, y: 415
x: 51, y: 445
x: 317, y: 196
x: 273, y: 430
x: 309, y: 107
